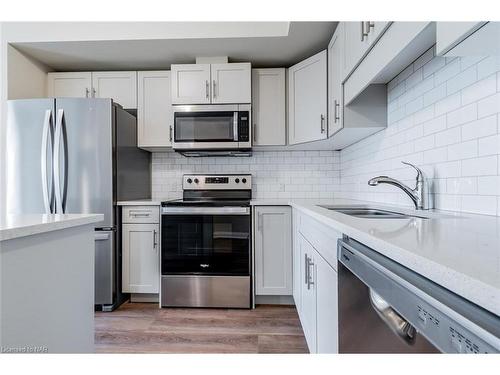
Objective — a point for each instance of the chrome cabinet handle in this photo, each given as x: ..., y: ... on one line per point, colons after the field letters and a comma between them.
x: 93, y: 92
x: 170, y: 133
x: 46, y: 137
x: 392, y: 319
x: 87, y: 92
x: 207, y: 89
x: 306, y: 269
x: 155, y: 240
x: 369, y: 26
x: 322, y: 119
x: 214, y: 91
x: 254, y: 132
x: 310, y: 280
x: 335, y: 111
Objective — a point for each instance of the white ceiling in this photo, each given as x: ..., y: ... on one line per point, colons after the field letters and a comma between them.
x: 303, y: 40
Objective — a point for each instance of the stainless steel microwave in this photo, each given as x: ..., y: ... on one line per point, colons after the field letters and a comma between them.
x: 212, y: 127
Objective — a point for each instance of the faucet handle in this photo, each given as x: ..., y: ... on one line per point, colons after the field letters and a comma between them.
x: 420, y: 174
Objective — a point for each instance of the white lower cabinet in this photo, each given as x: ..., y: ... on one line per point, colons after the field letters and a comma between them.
x: 273, y: 250
x: 315, y: 284
x: 308, y: 291
x: 141, y: 255
x: 326, y: 307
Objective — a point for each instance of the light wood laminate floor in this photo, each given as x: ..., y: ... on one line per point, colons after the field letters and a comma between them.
x: 144, y: 328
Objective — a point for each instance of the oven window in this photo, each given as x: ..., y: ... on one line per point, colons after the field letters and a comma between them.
x: 205, y: 244
x: 204, y: 127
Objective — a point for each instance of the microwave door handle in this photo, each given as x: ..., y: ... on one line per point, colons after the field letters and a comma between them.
x: 235, y: 127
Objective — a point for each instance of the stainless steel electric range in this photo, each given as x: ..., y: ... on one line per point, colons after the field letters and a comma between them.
x: 206, y: 243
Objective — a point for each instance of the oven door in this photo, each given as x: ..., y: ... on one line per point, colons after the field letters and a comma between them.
x: 206, y: 241
x: 205, y: 127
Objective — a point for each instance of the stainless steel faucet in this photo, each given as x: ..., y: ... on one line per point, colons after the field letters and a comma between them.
x: 420, y: 195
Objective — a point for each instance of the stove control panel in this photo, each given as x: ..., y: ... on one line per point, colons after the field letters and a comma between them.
x: 217, y: 182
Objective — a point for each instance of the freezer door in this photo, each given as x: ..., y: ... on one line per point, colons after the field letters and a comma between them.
x: 83, y: 157
x: 29, y: 137
x: 104, y: 261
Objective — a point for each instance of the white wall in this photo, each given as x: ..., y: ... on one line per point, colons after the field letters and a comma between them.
x: 444, y: 117
x: 26, y: 77
x: 275, y: 174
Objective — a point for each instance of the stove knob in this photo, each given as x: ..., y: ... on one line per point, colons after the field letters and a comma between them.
x: 244, y: 180
x: 237, y: 180
x: 189, y: 180
x: 196, y: 180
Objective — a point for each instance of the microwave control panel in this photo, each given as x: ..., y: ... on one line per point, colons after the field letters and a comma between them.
x: 243, y: 126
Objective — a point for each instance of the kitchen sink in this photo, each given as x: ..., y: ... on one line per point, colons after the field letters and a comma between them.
x: 371, y: 213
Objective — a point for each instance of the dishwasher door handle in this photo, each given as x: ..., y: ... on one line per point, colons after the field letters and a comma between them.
x: 392, y: 319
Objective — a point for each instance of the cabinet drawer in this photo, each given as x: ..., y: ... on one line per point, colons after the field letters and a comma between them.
x: 322, y: 237
x: 141, y: 214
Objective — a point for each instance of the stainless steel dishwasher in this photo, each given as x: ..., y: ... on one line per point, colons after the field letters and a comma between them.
x: 385, y: 307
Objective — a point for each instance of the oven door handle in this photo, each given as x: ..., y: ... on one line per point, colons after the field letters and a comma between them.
x: 225, y: 210
x: 235, y: 127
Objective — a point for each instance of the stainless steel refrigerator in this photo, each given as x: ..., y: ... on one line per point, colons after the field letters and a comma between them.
x: 69, y: 155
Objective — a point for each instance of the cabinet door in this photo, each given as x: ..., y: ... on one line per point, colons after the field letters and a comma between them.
x: 326, y: 307
x: 273, y: 250
x: 307, y: 100
x: 268, y: 107
x: 449, y: 34
x: 231, y: 83
x: 355, y: 43
x: 191, y: 84
x: 308, y: 297
x: 335, y: 100
x: 69, y: 85
x: 119, y: 86
x: 297, y: 279
x: 141, y: 258
x: 154, y: 109
x: 374, y: 29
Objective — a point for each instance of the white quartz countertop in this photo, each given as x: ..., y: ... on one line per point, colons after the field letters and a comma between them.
x: 459, y: 251
x: 139, y: 202
x: 21, y: 225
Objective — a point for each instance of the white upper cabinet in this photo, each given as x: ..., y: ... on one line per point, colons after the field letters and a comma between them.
x: 191, y: 84
x: 269, y: 107
x: 307, y: 100
x: 69, y: 85
x: 468, y: 38
x: 360, y: 36
x: 273, y: 250
x: 119, y: 86
x: 335, y: 91
x: 231, y: 83
x: 211, y: 83
x: 154, y: 110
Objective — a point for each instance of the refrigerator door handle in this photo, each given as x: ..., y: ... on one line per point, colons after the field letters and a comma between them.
x: 45, y: 140
x: 60, y: 133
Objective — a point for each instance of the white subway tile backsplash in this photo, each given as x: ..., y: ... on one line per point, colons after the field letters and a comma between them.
x: 461, y: 80
x: 276, y: 174
x: 453, y: 135
x: 480, y: 128
x: 479, y: 90
x: 482, y: 166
